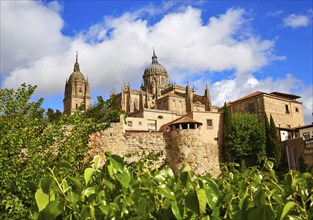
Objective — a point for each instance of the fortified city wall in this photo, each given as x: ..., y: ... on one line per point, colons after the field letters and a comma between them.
x: 179, y: 147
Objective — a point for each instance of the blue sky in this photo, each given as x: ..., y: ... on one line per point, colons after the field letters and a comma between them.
x: 235, y: 47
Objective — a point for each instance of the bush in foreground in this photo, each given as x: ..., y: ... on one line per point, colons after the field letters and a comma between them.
x: 119, y: 191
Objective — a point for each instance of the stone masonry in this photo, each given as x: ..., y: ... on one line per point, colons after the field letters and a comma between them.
x: 179, y: 147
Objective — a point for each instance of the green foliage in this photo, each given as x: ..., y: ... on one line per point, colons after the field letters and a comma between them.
x: 53, y: 115
x: 104, y: 112
x: 273, y: 149
x: 30, y: 145
x: 122, y: 192
x: 245, y: 140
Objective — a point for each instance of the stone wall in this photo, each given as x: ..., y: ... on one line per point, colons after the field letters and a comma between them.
x: 179, y: 147
x: 185, y: 147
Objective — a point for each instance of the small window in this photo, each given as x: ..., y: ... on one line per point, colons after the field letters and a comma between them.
x: 130, y: 123
x: 287, y: 109
x: 209, y: 123
x: 306, y: 135
x: 297, y: 109
x: 216, y: 138
x: 76, y: 106
x: 80, y: 90
x: 160, y: 117
x: 140, y: 123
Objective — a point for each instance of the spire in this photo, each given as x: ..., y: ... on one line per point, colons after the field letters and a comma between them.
x: 76, y: 65
x: 154, y: 57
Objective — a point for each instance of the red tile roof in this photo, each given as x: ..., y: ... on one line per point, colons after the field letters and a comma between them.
x: 249, y: 96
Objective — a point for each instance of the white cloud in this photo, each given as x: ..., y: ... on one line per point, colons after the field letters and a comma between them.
x: 29, y: 31
x: 297, y: 20
x: 117, y: 49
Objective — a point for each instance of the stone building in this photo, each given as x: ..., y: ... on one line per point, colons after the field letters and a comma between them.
x: 296, y: 139
x: 157, y: 93
x: 284, y: 108
x: 168, y: 118
x: 76, y: 91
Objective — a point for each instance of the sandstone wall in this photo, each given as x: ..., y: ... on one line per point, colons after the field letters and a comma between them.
x: 179, y: 147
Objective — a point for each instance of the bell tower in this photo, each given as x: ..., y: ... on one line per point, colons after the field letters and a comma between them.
x: 77, y: 92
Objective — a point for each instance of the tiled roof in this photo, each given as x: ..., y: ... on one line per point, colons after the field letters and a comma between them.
x: 249, y: 96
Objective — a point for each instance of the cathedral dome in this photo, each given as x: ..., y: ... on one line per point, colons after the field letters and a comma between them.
x: 155, y: 67
x: 76, y: 75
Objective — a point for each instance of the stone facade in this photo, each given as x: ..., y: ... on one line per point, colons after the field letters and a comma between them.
x: 157, y: 93
x: 179, y: 147
x: 284, y: 108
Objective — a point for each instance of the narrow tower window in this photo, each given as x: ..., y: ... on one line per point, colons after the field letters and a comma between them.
x: 287, y: 109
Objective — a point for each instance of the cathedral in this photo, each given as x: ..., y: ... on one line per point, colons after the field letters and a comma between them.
x: 157, y: 93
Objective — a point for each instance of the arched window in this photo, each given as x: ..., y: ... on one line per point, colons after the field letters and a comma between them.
x: 162, y: 81
x: 76, y: 106
x: 80, y: 90
x: 136, y: 104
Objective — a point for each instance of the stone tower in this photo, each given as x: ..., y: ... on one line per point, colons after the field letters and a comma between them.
x: 76, y: 92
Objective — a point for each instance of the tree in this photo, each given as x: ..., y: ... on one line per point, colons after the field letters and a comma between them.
x: 273, y: 149
x: 53, y: 115
x: 246, y: 140
x: 226, y: 133
x: 21, y: 125
x: 104, y: 112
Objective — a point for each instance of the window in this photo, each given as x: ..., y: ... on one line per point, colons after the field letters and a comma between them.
x: 297, y: 109
x: 130, y: 124
x: 209, y: 123
x: 80, y: 90
x: 287, y: 109
x: 306, y: 135
x: 135, y: 104
x: 140, y: 123
x: 76, y: 106
x: 162, y: 81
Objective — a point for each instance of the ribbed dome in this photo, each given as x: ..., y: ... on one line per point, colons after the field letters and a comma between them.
x: 155, y: 67
x: 76, y: 75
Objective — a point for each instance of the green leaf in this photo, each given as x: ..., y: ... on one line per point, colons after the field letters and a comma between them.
x: 53, y: 209
x: 124, y: 178
x: 201, y: 195
x: 87, y: 174
x: 262, y: 212
x: 191, y: 202
x: 42, y: 199
x: 286, y: 209
x: 73, y: 197
x: 77, y: 185
x: 306, y: 176
x: 117, y: 163
x: 89, y: 191
x: 175, y: 210
x: 45, y: 184
x: 212, y: 192
x: 166, y: 192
